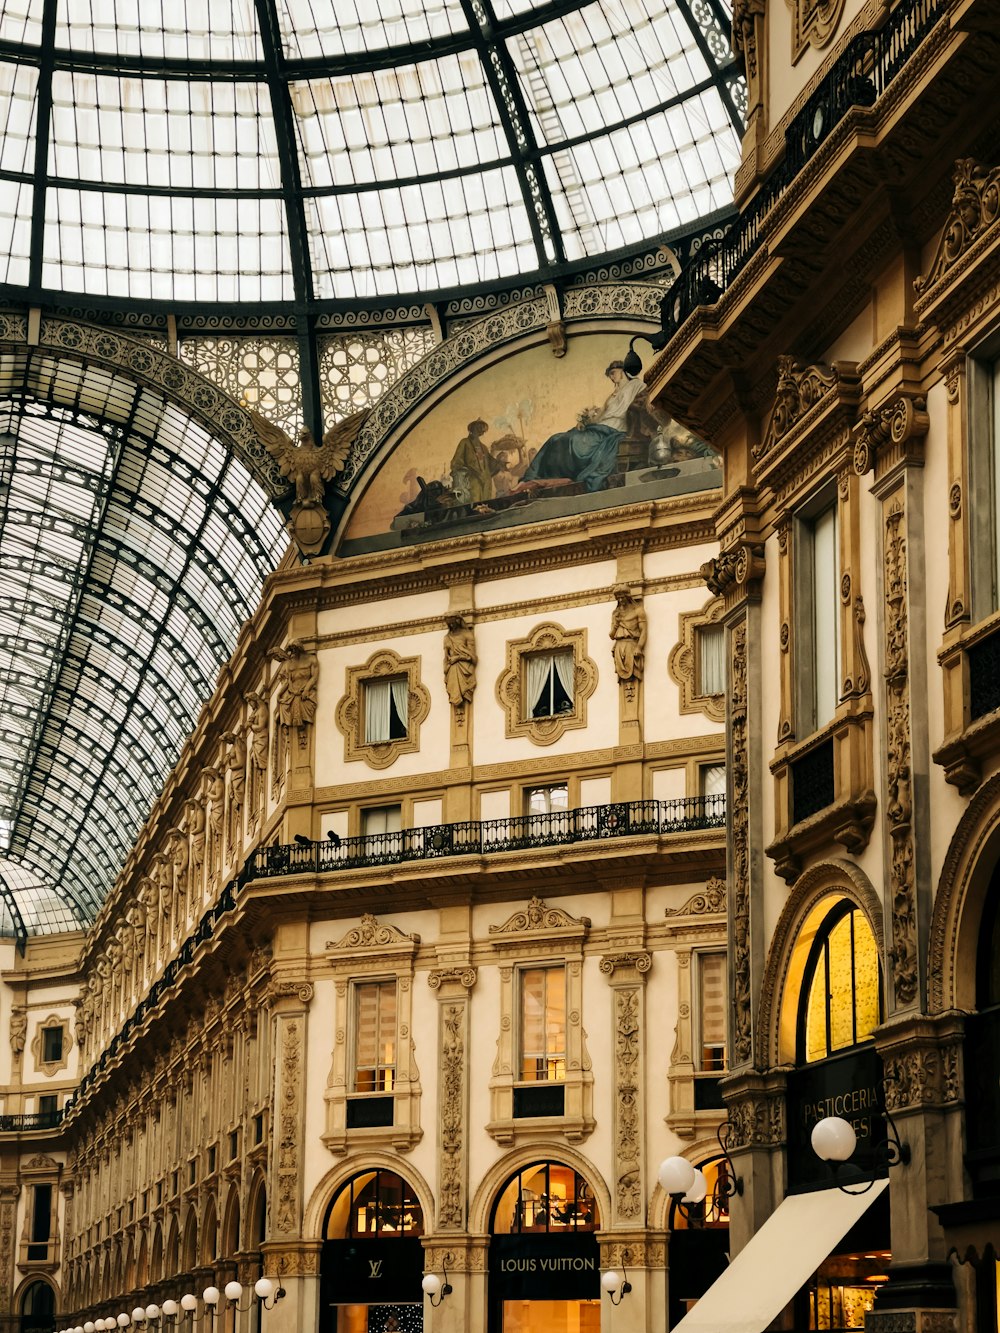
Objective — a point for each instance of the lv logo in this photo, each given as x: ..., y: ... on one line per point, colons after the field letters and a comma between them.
x: 375, y: 1268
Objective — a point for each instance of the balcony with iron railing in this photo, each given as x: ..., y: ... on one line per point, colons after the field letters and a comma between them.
x: 518, y: 833
x: 858, y: 78
x: 597, y: 825
x: 26, y: 1124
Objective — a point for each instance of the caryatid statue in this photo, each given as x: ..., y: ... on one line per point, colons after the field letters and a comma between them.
x: 294, y: 700
x: 236, y: 766
x: 628, y: 631
x: 194, y: 822
x: 460, y: 661
x: 215, y: 799
x: 258, y: 719
x: 179, y: 853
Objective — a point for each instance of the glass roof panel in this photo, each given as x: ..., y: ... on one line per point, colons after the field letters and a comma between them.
x: 166, y: 248
x: 390, y: 124
x: 463, y: 230
x: 312, y: 28
x: 167, y: 133
x: 185, y: 29
x: 125, y: 573
x: 21, y: 21
x: 613, y: 191
x: 41, y: 908
x: 18, y: 89
x: 16, y: 201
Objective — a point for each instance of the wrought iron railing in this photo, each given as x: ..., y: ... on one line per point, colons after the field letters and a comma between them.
x: 622, y: 819
x: 619, y: 820
x: 858, y: 78
x: 16, y: 1124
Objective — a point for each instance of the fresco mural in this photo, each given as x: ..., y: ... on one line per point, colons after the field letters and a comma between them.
x: 528, y: 439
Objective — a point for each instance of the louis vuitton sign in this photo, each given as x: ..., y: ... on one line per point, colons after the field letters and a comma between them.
x: 369, y: 1272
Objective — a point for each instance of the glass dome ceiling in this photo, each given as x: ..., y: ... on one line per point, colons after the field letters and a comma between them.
x: 343, y: 152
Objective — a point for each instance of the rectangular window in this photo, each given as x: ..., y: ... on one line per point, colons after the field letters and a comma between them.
x: 984, y: 483
x: 381, y: 819
x: 712, y: 780
x: 711, y: 1012
x: 548, y: 684
x: 375, y: 1036
x: 711, y: 660
x: 48, y: 1104
x: 817, y: 637
x: 387, y: 710
x: 543, y: 1024
x: 546, y: 800
x: 41, y: 1222
x: 52, y: 1045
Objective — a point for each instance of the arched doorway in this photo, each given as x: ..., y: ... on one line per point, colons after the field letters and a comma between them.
x: 699, y: 1240
x: 545, y: 1264
x: 373, y: 1258
x: 38, y: 1305
x: 833, y: 997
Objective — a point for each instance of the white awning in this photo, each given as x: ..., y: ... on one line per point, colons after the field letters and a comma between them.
x: 779, y: 1259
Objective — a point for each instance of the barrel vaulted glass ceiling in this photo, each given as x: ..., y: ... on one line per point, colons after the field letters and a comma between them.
x: 132, y: 547
x: 344, y: 151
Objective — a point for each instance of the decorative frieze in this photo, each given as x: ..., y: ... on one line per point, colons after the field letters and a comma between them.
x: 899, y: 778
x: 742, y: 1030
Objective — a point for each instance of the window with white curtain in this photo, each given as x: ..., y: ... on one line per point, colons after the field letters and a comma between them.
x: 386, y: 710
x: 711, y: 659
x: 817, y: 640
x: 712, y: 780
x: 711, y: 1046
x: 546, y: 800
x: 549, y: 684
x: 381, y: 819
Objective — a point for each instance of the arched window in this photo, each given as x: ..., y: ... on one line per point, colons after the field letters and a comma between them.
x: 38, y: 1305
x: 545, y: 1197
x: 841, y: 999
x: 376, y: 1204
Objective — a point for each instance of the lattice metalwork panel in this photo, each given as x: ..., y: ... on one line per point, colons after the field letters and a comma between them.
x: 357, y: 368
x: 263, y: 373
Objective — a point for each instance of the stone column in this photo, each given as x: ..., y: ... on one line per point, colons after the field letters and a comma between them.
x: 640, y: 1257
x: 452, y: 985
x: 285, y: 1251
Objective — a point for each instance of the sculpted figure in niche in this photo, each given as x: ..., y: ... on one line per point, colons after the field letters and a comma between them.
x: 18, y: 1030
x: 236, y: 763
x: 628, y: 631
x: 295, y: 699
x: 257, y: 727
x: 180, y: 857
x: 215, y: 796
x: 194, y: 820
x: 459, y: 661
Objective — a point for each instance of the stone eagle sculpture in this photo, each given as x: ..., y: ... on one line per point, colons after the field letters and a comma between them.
x: 308, y: 464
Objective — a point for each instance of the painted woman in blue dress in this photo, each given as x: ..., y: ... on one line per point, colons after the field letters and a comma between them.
x: 589, y: 453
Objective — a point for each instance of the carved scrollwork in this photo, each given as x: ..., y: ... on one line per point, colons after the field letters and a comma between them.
x: 975, y: 208
x: 463, y: 976
x: 799, y: 389
x: 370, y: 933
x: 733, y: 568
x: 894, y: 424
x: 710, y: 901
x: 539, y: 916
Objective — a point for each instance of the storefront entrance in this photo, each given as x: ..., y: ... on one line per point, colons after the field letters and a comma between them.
x: 544, y: 1261
x: 372, y: 1258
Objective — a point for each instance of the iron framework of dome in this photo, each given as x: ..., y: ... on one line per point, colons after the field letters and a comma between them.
x: 236, y: 181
